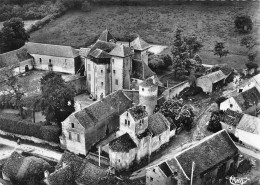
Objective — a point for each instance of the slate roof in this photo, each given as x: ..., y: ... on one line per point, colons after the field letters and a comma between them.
x: 215, y: 76
x: 14, y: 57
x: 139, y: 44
x: 133, y: 95
x: 209, y: 152
x: 157, y: 123
x: 141, y: 70
x: 250, y: 124
x: 84, y: 52
x: 138, y: 112
x: 51, y: 50
x: 248, y: 98
x: 105, y: 46
x: 123, y: 143
x: 231, y: 117
x: 165, y: 168
x: 98, y: 53
x: 121, y: 51
x: 100, y: 110
x: 106, y: 36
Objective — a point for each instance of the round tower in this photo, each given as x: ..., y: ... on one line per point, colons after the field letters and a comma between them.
x: 148, y: 92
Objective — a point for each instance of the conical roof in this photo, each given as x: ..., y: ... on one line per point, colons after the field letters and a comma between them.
x: 121, y: 51
x: 106, y: 36
x: 140, y: 44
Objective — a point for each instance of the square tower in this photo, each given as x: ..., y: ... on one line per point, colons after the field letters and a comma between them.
x: 140, y: 48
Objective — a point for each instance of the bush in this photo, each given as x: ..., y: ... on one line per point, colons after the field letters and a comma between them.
x: 13, y: 125
x: 251, y: 65
x: 214, y: 122
x: 243, y: 24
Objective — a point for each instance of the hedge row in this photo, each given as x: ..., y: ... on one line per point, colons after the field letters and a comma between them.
x: 12, y: 125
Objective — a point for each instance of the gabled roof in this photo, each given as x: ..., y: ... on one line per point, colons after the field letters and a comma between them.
x: 231, y: 117
x: 138, y: 112
x: 51, y: 50
x: 105, y: 46
x: 208, y: 153
x: 250, y: 124
x: 248, y: 98
x: 14, y: 57
x: 141, y: 70
x: 121, y: 51
x: 106, y: 36
x: 215, y: 76
x: 61, y: 176
x: 256, y: 80
x: 100, y: 110
x: 140, y: 44
x: 84, y: 52
x: 98, y: 53
x: 123, y: 143
x: 157, y: 123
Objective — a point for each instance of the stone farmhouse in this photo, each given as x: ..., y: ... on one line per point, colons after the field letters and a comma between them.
x: 212, y: 157
x: 244, y: 126
x: 139, y: 135
x: 247, y: 102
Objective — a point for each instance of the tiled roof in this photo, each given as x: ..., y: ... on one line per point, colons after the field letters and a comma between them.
x: 123, y: 143
x: 84, y: 52
x: 250, y: 124
x: 100, y: 110
x: 248, y: 98
x: 106, y: 36
x: 14, y: 57
x: 121, y: 51
x: 51, y: 50
x: 231, y: 117
x: 140, y: 44
x: 215, y: 76
x: 98, y: 53
x: 175, y: 167
x: 209, y: 152
x: 157, y: 123
x: 61, y: 176
x: 133, y: 95
x: 105, y: 46
x: 138, y: 112
x: 141, y: 70
x: 165, y: 168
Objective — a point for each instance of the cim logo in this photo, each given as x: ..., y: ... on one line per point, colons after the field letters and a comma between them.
x: 238, y: 181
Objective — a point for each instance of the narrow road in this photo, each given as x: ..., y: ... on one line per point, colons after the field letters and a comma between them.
x: 54, y: 155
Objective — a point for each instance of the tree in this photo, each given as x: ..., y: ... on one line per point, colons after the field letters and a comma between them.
x: 252, y: 56
x: 13, y: 35
x: 251, y: 65
x: 219, y: 49
x: 14, y: 92
x: 214, y: 122
x: 86, y: 6
x: 167, y: 60
x: 244, y: 24
x: 249, y: 42
x: 57, y: 101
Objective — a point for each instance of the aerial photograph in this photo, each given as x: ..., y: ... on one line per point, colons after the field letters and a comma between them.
x: 129, y: 92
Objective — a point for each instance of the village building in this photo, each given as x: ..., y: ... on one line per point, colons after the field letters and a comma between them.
x: 247, y: 102
x: 19, y: 61
x: 139, y: 135
x: 212, y: 157
x: 57, y: 58
x: 84, y: 128
x: 211, y: 81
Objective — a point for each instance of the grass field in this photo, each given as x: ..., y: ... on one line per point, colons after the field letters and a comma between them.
x: 156, y: 24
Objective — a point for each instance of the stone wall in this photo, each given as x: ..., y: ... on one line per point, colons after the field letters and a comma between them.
x: 175, y: 90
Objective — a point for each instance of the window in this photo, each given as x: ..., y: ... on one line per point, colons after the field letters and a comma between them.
x: 89, y: 77
x: 128, y: 123
x: 116, y: 82
x: 72, y: 125
x: 78, y: 137
x: 153, y: 170
x: 101, y: 71
x: 114, y: 71
x: 49, y: 61
x: 113, y: 60
x: 151, y: 179
x: 142, y: 89
x: 101, y: 83
x: 119, y: 160
x: 125, y: 122
x: 127, y: 114
x: 69, y: 135
x: 159, y: 138
x: 231, y: 105
x: 40, y: 60
x: 88, y: 67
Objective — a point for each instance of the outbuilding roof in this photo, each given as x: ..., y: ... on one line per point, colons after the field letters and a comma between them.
x: 51, y: 50
x: 14, y: 57
x: 106, y: 36
x: 139, y: 44
x: 123, y: 143
x: 250, y: 124
x: 231, y: 117
x: 215, y: 76
x: 121, y: 51
x: 157, y: 123
x: 208, y: 153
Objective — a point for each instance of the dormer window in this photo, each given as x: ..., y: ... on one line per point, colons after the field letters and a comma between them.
x: 72, y: 125
x: 114, y: 71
